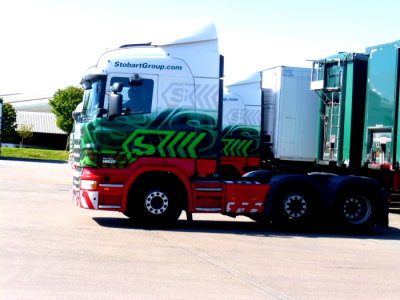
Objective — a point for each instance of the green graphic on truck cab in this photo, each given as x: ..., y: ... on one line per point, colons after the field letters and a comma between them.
x: 241, y: 140
x: 181, y: 133
x: 136, y: 144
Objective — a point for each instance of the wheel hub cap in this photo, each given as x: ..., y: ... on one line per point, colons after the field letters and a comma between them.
x: 295, y: 206
x: 156, y: 202
x: 357, y: 210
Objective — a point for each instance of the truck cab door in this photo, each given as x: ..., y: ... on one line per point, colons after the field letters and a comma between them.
x: 122, y: 138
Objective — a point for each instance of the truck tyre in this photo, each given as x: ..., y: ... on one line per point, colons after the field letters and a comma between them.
x: 355, y: 209
x: 157, y: 204
x: 293, y: 206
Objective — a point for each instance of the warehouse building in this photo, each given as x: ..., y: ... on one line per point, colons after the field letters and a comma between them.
x: 35, y: 110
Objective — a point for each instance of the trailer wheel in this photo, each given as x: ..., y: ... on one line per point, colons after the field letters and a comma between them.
x: 355, y: 209
x: 156, y: 205
x: 294, y: 206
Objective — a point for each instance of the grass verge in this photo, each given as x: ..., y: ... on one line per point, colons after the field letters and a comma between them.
x: 34, y: 153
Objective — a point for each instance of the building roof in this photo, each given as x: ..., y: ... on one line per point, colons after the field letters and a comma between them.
x: 28, y: 102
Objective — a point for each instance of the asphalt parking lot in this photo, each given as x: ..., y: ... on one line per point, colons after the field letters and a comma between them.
x: 51, y: 249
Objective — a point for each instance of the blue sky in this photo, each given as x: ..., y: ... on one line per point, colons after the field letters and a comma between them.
x: 47, y: 45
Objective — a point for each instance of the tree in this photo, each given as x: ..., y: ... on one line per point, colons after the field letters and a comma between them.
x: 64, y: 102
x: 25, y: 132
x: 9, y: 119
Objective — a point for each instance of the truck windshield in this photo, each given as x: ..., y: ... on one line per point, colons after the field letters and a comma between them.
x: 93, y: 98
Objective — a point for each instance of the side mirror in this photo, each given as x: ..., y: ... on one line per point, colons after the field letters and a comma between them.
x: 115, y: 101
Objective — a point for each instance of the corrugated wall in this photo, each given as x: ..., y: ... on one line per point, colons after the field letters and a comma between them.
x: 42, y: 122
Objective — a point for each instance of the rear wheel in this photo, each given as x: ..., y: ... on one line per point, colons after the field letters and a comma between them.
x: 355, y: 210
x: 294, y: 206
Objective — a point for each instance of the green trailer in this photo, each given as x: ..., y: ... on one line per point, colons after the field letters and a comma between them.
x: 381, y: 146
x: 340, y: 81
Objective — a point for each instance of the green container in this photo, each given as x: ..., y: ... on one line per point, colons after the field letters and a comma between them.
x: 340, y: 81
x: 381, y: 131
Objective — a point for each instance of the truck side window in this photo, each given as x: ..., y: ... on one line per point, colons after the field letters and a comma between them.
x: 136, y: 99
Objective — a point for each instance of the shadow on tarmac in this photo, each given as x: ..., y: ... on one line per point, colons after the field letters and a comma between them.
x: 252, y: 228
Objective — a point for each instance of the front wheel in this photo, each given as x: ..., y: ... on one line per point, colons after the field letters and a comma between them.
x: 155, y: 205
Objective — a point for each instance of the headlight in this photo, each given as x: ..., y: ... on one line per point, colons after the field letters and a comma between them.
x: 89, y: 185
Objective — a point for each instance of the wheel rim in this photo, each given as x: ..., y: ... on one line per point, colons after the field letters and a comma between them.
x: 357, y: 209
x: 156, y: 202
x: 295, y: 206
